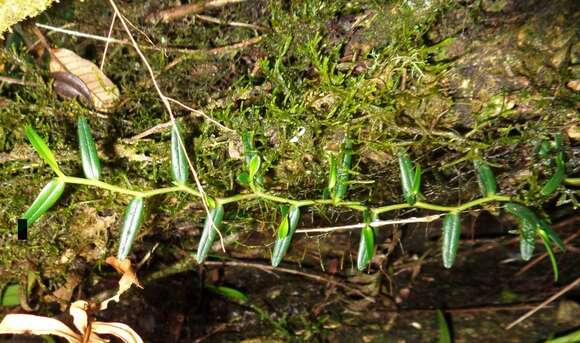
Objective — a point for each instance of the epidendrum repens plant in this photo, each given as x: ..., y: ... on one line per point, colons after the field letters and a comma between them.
x: 530, y: 225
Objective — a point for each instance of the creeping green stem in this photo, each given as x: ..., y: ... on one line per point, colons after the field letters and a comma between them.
x: 258, y: 194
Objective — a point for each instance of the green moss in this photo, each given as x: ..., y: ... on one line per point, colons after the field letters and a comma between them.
x: 313, y: 79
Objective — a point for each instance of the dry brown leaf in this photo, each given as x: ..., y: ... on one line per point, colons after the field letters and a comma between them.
x: 37, y: 325
x: 64, y: 294
x: 119, y: 330
x: 103, y: 91
x: 128, y: 279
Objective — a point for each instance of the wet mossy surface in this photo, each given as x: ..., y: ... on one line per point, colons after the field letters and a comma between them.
x: 446, y: 81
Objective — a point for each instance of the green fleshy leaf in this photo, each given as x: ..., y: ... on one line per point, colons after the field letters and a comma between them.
x: 552, y: 235
x: 529, y: 224
x: 211, y: 203
x: 179, y: 166
x: 248, y: 144
x: 366, y: 247
x: 343, y: 171
x: 131, y: 225
x: 212, y: 222
x: 89, y: 157
x: 228, y: 292
x: 255, y: 163
x: 281, y: 245
x: 573, y: 337
x: 546, y: 241
x: 10, y: 296
x: 283, y: 228
x: 42, y: 149
x: 556, y: 180
x: 407, y: 178
x: 451, y: 233
x: 332, y: 172
x: 444, y: 333
x: 417, y: 181
x: 485, y: 177
x: 244, y: 179
x: 44, y: 201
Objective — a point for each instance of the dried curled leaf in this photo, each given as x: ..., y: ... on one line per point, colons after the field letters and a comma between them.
x: 128, y: 279
x: 103, y: 92
x: 70, y: 86
x: 30, y: 324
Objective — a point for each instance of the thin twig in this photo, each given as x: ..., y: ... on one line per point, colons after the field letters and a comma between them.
x: 379, y: 223
x: 16, y: 81
x: 201, y: 113
x: 464, y: 310
x: 155, y: 129
x: 230, y: 23
x: 83, y: 34
x: 108, y: 40
x: 290, y: 271
x: 191, y: 52
x: 543, y: 304
x: 181, y: 11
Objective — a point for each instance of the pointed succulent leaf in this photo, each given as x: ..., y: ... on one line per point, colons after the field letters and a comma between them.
x: 244, y: 178
x: 552, y: 235
x: 366, y: 247
x: 556, y: 180
x: 281, y: 245
x: 332, y: 172
x: 249, y: 149
x: 451, y: 233
x: 255, y: 163
x: 283, y: 228
x: 179, y: 166
x: 229, y: 292
x: 42, y: 149
x: 444, y: 333
x: 529, y: 224
x: 44, y: 201
x: 89, y: 157
x: 343, y: 170
x: 407, y: 178
x: 485, y: 177
x: 212, y: 222
x: 417, y: 180
x: 210, y: 201
x: 548, y: 245
x: 131, y: 225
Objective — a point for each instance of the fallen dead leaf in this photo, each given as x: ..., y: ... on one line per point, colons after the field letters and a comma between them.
x: 87, y: 331
x: 128, y: 279
x: 69, y: 68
